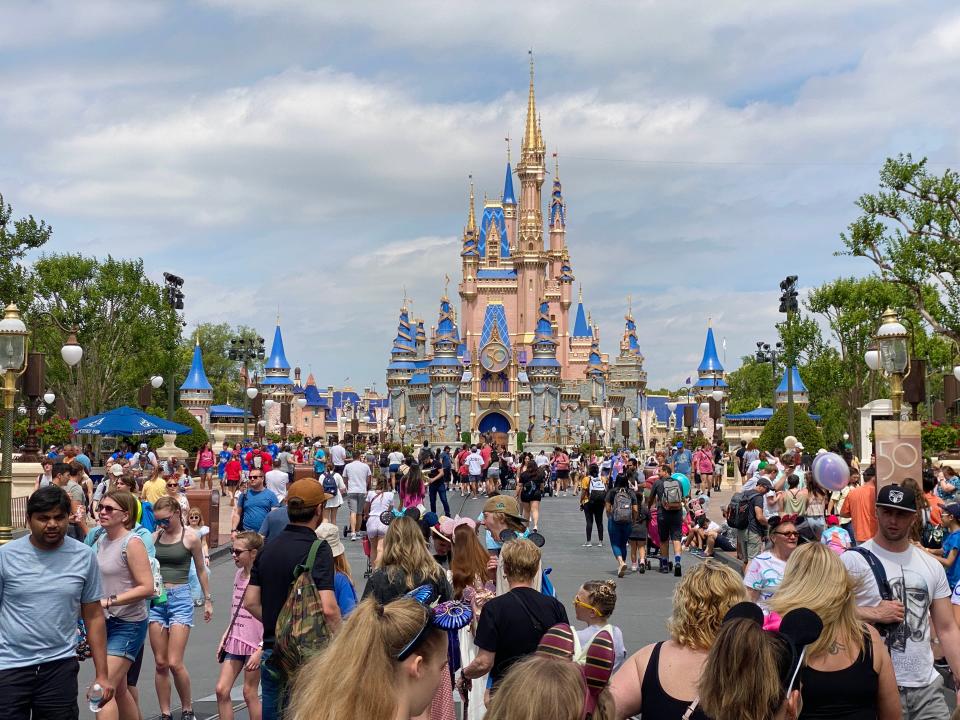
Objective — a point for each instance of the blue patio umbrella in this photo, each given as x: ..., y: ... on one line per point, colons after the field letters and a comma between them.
x: 127, y: 421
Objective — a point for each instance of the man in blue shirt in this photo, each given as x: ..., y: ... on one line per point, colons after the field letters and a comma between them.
x: 252, y: 505
x: 47, y: 581
x: 681, y: 460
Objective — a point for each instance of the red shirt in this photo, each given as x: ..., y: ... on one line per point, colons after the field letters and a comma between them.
x: 232, y: 469
x: 266, y: 460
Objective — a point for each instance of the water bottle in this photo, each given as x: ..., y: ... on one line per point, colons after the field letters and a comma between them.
x: 96, y: 695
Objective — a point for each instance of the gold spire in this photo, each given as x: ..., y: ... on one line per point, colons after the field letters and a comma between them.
x: 580, y: 294
x: 530, y: 135
x: 540, y: 144
x: 472, y: 218
x: 556, y: 166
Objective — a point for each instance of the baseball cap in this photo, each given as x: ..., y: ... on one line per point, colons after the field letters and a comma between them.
x: 503, y: 504
x: 953, y: 509
x: 331, y: 533
x: 897, y: 497
x: 765, y: 482
x: 143, y: 446
x: 834, y: 520
x: 762, y: 465
x: 799, y: 446
x: 308, y: 491
x: 116, y: 469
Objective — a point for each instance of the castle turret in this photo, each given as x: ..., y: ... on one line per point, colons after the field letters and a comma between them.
x: 510, y: 204
x: 710, y: 372
x: 446, y: 372
x: 401, y: 368
x: 558, y: 223
x: 196, y: 393
x: 421, y: 340
x: 800, y: 393
x: 543, y: 372
x: 627, y: 376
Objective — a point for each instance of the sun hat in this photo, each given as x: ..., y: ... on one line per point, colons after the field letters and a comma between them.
x: 331, y: 533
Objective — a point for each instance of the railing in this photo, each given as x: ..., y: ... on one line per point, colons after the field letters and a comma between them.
x: 18, y: 512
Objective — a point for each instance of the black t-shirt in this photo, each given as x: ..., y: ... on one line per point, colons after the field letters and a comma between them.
x: 511, y: 626
x: 388, y: 584
x: 273, y: 571
x: 757, y: 502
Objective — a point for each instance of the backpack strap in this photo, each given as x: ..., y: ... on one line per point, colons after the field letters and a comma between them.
x: 307, y: 565
x: 876, y: 567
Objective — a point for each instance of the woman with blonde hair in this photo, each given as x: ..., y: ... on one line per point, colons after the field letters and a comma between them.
x: 546, y: 688
x: 848, y: 673
x: 402, y: 663
x: 661, y: 679
x: 405, y: 563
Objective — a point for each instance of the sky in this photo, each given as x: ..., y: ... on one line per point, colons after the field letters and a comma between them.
x: 312, y: 158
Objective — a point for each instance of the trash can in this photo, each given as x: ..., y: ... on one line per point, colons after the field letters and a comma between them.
x: 209, y: 503
x: 303, y: 471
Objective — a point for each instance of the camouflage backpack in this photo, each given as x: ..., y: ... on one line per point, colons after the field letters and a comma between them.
x: 301, y: 630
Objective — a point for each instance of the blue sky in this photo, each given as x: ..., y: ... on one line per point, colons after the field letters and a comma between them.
x: 314, y: 156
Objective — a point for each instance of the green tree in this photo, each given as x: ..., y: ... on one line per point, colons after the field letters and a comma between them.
x: 910, y: 231
x: 126, y: 330
x: 17, y: 237
x: 751, y: 386
x: 804, y: 429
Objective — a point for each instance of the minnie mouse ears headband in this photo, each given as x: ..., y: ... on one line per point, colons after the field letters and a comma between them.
x: 798, y: 628
x: 450, y: 616
x: 595, y: 663
x: 531, y: 535
x: 388, y: 516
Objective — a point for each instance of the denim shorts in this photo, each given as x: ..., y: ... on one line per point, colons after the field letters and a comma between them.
x: 125, y: 638
x: 234, y: 656
x: 177, y: 610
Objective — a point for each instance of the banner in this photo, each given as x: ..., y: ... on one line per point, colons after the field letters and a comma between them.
x: 897, y: 447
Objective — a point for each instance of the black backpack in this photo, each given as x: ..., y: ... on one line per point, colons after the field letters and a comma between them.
x: 886, y: 630
x: 741, y: 506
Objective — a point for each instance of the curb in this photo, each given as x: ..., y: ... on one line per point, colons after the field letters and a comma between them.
x: 221, y: 550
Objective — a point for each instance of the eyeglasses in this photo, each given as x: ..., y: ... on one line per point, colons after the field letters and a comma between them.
x: 588, y: 606
x: 107, y: 509
x: 788, y: 534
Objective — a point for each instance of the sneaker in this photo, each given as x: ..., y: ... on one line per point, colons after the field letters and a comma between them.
x: 642, y: 568
x: 664, y: 569
x: 353, y: 537
x: 166, y: 716
x: 186, y: 715
x: 622, y: 571
x: 676, y: 569
x: 599, y: 544
x: 586, y: 544
x: 633, y: 567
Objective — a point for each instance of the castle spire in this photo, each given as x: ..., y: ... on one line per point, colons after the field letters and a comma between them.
x: 558, y: 209
x: 530, y: 133
x: 472, y: 216
x: 508, y: 195
x: 197, y: 377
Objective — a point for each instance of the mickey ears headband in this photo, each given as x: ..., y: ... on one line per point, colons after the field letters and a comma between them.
x: 450, y: 616
x: 531, y: 535
x: 595, y: 663
x: 798, y: 628
x: 388, y: 516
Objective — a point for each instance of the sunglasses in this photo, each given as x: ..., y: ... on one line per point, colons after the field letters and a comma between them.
x: 237, y: 553
x: 578, y: 602
x: 789, y: 534
x: 162, y: 523
x: 107, y: 509
x: 173, y: 484
x: 256, y: 477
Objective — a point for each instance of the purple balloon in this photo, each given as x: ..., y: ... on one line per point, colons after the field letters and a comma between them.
x: 831, y: 471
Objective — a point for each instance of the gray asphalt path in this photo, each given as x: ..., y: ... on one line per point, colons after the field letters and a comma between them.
x: 643, y: 603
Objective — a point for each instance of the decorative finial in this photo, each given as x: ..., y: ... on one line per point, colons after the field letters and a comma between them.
x: 580, y: 293
x: 507, y: 140
x: 406, y: 300
x: 709, y: 322
x: 530, y: 133
x: 472, y: 217
x: 556, y: 166
x: 630, y: 305
x: 446, y: 286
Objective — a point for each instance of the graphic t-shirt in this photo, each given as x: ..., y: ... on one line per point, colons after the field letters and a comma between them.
x: 917, y: 579
x: 764, y: 574
x: 681, y: 461
x: 475, y: 463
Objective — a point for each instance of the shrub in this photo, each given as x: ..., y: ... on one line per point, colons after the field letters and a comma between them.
x: 804, y: 429
x: 937, y: 438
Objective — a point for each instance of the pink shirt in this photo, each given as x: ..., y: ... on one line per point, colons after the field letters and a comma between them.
x: 247, y: 632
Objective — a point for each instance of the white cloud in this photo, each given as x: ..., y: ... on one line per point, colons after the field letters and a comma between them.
x: 33, y: 23
x: 704, y: 155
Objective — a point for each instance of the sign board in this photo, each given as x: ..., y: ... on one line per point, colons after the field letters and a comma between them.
x: 897, y: 447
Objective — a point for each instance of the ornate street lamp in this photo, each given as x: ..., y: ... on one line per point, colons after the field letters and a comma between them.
x: 156, y: 382
x: 894, y: 357
x: 13, y: 363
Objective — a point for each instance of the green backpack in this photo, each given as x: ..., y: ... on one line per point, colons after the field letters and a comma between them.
x: 301, y: 630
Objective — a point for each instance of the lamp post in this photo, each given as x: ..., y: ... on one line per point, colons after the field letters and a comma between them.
x: 173, y: 294
x: 894, y: 358
x: 767, y: 354
x: 13, y: 363
x: 245, y: 350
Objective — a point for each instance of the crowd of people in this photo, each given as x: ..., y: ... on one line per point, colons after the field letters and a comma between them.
x: 841, y: 609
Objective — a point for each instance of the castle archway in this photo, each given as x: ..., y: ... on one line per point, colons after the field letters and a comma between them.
x: 495, y: 422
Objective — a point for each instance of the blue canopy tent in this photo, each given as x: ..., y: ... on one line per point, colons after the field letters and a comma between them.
x: 127, y: 421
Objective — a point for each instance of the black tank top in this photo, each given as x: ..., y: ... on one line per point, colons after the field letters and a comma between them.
x: 655, y: 703
x: 848, y: 694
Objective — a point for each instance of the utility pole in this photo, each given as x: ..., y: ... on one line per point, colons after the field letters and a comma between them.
x: 174, y: 298
x: 789, y: 306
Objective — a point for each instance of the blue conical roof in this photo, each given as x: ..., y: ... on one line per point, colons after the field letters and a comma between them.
x: 580, y: 327
x: 197, y: 376
x: 711, y: 361
x: 508, y: 197
x: 278, y: 359
x: 798, y: 386
x: 558, y: 212
x: 630, y: 333
x: 446, y: 327
x: 404, y: 343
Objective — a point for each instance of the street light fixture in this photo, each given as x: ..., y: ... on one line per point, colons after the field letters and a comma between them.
x: 301, y: 402
x: 156, y: 382
x: 13, y: 362
x: 252, y: 392
x: 894, y: 357
x: 49, y: 397
x: 872, y: 359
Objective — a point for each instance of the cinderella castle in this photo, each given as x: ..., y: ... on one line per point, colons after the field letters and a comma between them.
x: 521, y: 359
